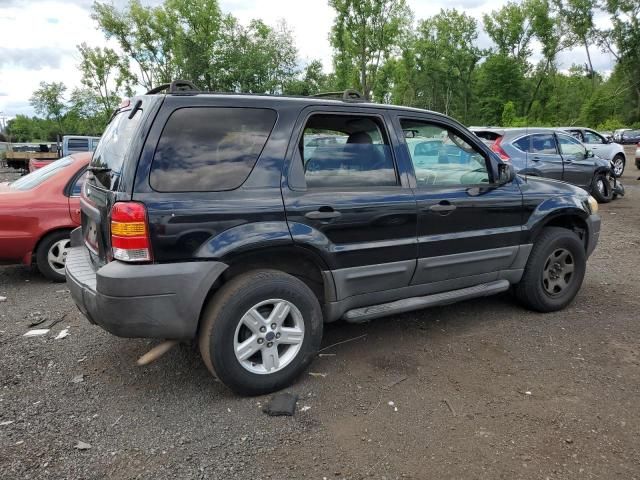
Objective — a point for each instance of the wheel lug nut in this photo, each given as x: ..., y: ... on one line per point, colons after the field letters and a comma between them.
x: 270, y: 344
x: 263, y: 329
x: 261, y: 340
x: 273, y: 326
x: 277, y: 335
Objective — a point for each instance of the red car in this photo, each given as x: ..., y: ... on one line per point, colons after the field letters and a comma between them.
x: 38, y: 212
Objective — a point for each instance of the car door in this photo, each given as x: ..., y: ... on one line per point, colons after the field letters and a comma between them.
x: 578, y: 166
x: 350, y: 202
x: 542, y: 156
x: 469, y: 226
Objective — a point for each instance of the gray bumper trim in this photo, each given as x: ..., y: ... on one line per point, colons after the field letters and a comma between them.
x: 150, y: 301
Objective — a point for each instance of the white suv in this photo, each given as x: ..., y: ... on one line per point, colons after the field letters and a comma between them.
x: 601, y: 146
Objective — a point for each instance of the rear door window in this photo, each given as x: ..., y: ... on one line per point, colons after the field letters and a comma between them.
x: 542, y: 143
x: 206, y: 149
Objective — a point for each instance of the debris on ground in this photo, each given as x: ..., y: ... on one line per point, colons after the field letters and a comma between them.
x: 3, y: 299
x: 451, y: 409
x: 281, y: 404
x: 305, y: 408
x: 316, y: 374
x: 63, y: 333
x: 78, y: 379
x: 156, y: 352
x: 343, y: 341
x: 82, y: 446
x: 37, y: 332
x: 395, y: 382
x: 5, y: 423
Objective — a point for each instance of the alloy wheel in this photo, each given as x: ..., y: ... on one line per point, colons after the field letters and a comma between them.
x: 269, y: 336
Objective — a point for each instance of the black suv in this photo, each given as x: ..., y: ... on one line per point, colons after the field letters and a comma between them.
x: 222, y: 218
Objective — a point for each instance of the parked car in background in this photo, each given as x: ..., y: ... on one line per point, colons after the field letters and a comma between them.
x: 284, y: 241
x: 38, y: 212
x: 630, y: 137
x: 638, y: 156
x: 601, y: 146
x: 549, y: 153
x: 617, y: 134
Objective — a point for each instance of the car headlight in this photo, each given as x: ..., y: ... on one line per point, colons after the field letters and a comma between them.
x: 593, y: 204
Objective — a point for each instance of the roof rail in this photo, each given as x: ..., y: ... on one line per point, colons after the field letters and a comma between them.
x: 348, y: 95
x: 177, y: 86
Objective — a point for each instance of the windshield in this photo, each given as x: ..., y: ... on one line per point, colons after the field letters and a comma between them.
x: 34, y: 179
x: 113, y: 147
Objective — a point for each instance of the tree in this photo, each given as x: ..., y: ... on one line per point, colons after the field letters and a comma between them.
x: 578, y: 15
x: 48, y: 100
x: 105, y: 74
x: 510, y: 29
x: 365, y: 33
x: 509, y: 114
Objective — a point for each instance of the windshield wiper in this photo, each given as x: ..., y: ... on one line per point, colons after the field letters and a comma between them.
x: 98, y: 169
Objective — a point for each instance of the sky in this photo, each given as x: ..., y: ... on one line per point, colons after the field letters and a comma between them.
x: 38, y: 38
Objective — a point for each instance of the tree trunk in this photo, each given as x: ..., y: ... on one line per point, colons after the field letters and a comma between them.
x: 591, y: 73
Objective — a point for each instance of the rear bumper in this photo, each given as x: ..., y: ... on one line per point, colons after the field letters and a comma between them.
x: 149, y: 301
x: 593, y: 235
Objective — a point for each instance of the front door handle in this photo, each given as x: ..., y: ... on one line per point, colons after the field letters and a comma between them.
x: 323, y: 213
x: 443, y: 207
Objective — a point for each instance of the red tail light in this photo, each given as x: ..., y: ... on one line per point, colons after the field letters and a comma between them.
x: 130, y: 232
x: 499, y: 150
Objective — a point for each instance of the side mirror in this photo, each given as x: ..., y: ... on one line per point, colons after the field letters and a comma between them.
x: 589, y: 154
x: 506, y: 173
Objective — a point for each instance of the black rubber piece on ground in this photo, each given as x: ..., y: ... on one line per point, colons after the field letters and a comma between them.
x: 530, y: 291
x: 281, y: 405
x: 225, y: 309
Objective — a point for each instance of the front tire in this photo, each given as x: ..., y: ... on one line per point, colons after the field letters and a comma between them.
x: 51, y: 255
x: 601, y: 188
x: 554, y: 272
x: 260, y: 331
x: 618, y: 164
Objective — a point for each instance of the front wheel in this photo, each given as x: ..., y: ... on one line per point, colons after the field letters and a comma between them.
x: 260, y: 331
x: 602, y: 187
x: 554, y: 272
x: 617, y: 164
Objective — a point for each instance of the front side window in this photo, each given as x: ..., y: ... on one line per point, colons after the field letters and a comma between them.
x: 571, y: 147
x: 208, y: 149
x: 593, y: 137
x: 343, y: 151
x: 540, y: 143
x: 441, y: 157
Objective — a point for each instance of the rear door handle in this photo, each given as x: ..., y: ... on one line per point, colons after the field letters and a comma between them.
x: 442, y: 207
x: 323, y: 213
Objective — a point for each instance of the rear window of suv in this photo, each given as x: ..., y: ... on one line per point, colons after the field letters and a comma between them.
x: 209, y: 148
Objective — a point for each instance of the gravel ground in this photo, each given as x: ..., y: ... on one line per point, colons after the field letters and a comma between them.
x: 481, y: 389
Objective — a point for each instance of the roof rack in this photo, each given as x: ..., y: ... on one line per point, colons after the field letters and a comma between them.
x: 177, y: 86
x: 348, y: 95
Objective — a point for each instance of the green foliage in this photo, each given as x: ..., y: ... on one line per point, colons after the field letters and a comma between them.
x: 48, y: 100
x: 365, y: 34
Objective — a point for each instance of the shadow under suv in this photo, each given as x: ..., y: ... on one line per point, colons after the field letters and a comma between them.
x: 203, y: 217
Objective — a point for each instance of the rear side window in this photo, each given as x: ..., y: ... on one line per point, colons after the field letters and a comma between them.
x: 543, y: 143
x: 209, y: 148
x: 35, y: 178
x: 78, y: 145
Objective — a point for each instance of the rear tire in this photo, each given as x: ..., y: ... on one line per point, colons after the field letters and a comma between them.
x: 554, y: 272
x: 51, y: 255
x: 239, y: 343
x: 601, y: 188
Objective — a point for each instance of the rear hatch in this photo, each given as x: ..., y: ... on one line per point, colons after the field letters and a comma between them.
x: 110, y: 174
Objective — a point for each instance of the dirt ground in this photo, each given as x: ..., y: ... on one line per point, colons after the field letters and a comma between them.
x: 481, y: 389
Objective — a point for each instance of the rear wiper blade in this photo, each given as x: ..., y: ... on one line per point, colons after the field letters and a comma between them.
x: 98, y: 169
